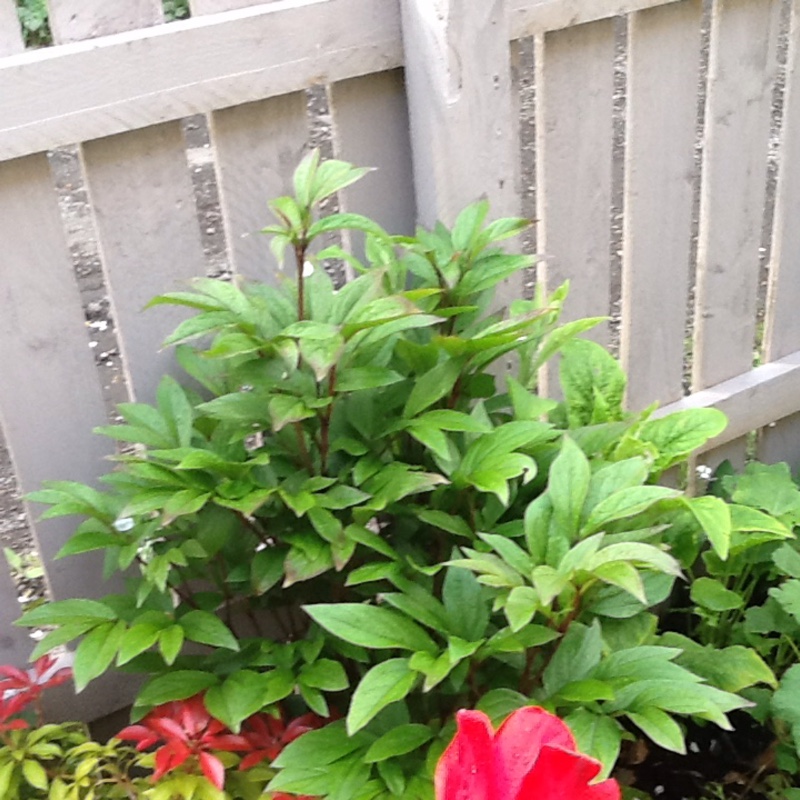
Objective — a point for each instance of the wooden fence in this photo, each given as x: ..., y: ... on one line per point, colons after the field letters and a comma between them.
x: 656, y: 141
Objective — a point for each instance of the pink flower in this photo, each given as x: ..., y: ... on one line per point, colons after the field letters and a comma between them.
x: 532, y: 756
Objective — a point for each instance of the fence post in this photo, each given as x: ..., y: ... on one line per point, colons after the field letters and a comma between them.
x: 463, y: 130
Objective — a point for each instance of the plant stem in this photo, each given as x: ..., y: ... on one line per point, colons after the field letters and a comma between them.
x: 300, y: 258
x: 302, y: 447
x: 325, y: 431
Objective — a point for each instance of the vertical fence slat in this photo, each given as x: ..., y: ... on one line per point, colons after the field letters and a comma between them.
x: 742, y: 68
x: 663, y: 65
x: 50, y: 396
x: 75, y: 20
x: 458, y: 74
x: 142, y: 196
x: 370, y: 119
x: 10, y: 32
x: 258, y: 145
x: 781, y: 442
x: 575, y: 86
x: 741, y: 73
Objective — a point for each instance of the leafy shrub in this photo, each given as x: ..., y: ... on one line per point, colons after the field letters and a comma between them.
x: 362, y: 505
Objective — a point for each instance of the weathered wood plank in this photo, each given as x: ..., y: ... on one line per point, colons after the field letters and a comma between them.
x: 75, y: 20
x: 258, y: 146
x: 198, y: 7
x: 131, y: 80
x: 781, y: 441
x: 532, y: 17
x: 146, y: 219
x: 575, y: 85
x: 751, y: 400
x: 741, y: 74
x: 50, y: 396
x: 10, y: 32
x: 370, y: 123
x: 458, y: 78
x: 663, y: 66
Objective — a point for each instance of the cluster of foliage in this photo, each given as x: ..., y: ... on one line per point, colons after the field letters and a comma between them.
x: 362, y: 503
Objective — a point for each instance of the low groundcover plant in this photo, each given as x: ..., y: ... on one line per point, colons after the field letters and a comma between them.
x: 361, y: 508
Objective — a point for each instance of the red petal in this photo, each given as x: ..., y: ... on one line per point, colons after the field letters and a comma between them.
x: 58, y: 677
x: 14, y: 676
x: 168, y: 729
x: 14, y: 725
x: 213, y: 769
x: 466, y: 769
x: 138, y: 733
x: 518, y: 742
x: 256, y: 757
x: 560, y: 774
x: 226, y: 741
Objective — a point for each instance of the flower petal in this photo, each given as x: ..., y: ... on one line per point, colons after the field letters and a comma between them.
x: 560, y: 774
x: 466, y: 769
x: 518, y: 742
x: 213, y: 769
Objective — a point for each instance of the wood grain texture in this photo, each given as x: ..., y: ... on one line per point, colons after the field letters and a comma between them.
x: 458, y: 78
x: 370, y: 122
x: 75, y: 20
x: 663, y: 67
x: 10, y: 32
x: 741, y: 75
x: 131, y: 80
x: 258, y: 146
x: 532, y: 17
x: 50, y: 396
x: 781, y: 441
x: 200, y: 7
x: 144, y: 207
x: 574, y: 146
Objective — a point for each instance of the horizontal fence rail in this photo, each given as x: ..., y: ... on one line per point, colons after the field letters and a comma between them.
x: 656, y: 142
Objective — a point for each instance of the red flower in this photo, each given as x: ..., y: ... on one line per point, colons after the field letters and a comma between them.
x: 268, y: 735
x: 32, y: 682
x: 532, y: 756
x: 187, y: 730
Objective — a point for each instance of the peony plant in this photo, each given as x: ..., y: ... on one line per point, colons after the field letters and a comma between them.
x: 361, y: 501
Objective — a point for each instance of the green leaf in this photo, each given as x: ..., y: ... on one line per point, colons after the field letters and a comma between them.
x: 238, y: 697
x: 88, y: 541
x: 398, y: 742
x: 711, y: 594
x: 660, y: 727
x: 370, y: 626
x: 324, y: 674
x: 714, y: 516
x: 678, y: 434
x: 280, y: 684
x: 568, y: 484
x: 577, y: 655
x: 170, y: 642
x: 384, y: 684
x: 788, y: 596
x: 141, y: 636
x: 354, y: 379
x: 206, y: 628
x: 768, y: 487
x: 432, y: 386
x: 96, y: 652
x: 786, y: 700
x: 65, y: 612
x: 320, y: 747
x: 285, y: 409
x: 176, y: 685
x: 35, y: 774
x: 596, y: 736
x: 626, y: 503
x: 522, y: 604
x: 593, y: 383
x: 467, y: 610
